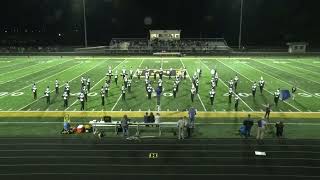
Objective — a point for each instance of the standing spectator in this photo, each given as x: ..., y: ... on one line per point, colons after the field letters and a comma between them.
x: 248, y: 123
x: 279, y: 129
x: 125, y: 125
x: 261, y: 128
x: 192, y: 115
x: 157, y: 118
x: 182, y: 123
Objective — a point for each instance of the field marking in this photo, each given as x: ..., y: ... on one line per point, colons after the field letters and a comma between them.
x: 17, y: 64
x: 253, y: 81
x: 227, y: 86
x: 121, y: 93
x: 138, y: 114
x: 287, y: 72
x: 96, y: 83
x: 204, y: 107
x: 311, y: 64
x: 278, y: 79
x: 41, y: 80
x: 33, y: 72
x: 302, y: 68
x: 60, y: 86
x: 161, y: 62
x: 20, y: 63
x: 21, y: 68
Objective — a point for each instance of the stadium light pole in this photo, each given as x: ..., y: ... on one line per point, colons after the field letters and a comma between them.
x: 85, y: 23
x: 240, y: 24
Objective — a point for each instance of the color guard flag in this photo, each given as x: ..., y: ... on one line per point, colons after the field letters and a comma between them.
x: 285, y: 94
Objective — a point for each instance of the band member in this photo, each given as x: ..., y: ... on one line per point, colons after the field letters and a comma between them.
x: 34, y: 91
x: 212, y: 93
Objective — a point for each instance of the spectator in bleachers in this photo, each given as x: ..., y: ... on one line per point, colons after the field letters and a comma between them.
x: 157, y: 118
x: 182, y: 124
x: 151, y: 118
x: 125, y: 125
x: 261, y: 129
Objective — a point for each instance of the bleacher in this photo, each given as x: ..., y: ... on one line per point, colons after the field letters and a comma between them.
x: 143, y: 46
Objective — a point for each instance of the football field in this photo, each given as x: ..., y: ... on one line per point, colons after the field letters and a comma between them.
x: 17, y: 74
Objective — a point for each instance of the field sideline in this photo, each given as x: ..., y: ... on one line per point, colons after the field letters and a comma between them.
x: 17, y: 74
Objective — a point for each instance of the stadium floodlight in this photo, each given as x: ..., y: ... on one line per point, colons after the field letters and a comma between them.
x: 85, y: 23
x: 240, y: 23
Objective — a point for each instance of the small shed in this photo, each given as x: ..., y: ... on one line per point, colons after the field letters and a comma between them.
x: 297, y: 47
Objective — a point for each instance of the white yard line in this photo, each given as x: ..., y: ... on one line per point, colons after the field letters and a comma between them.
x: 278, y: 79
x: 121, y: 94
x: 95, y: 84
x: 311, y: 64
x: 19, y: 69
x: 60, y: 86
x: 33, y: 72
x: 204, y: 107
x: 305, y: 69
x: 253, y: 81
x: 15, y: 64
x: 227, y: 86
x: 288, y: 72
x: 41, y: 80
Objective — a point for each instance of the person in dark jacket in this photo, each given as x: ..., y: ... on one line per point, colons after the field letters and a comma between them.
x: 146, y: 118
x: 248, y: 123
x: 151, y: 118
x: 279, y: 129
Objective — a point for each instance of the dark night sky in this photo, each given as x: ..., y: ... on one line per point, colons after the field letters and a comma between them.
x: 265, y: 22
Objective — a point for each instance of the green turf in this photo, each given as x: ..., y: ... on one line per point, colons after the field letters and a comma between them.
x: 18, y: 73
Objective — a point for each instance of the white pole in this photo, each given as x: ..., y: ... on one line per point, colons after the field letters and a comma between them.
x: 85, y: 23
x: 240, y: 25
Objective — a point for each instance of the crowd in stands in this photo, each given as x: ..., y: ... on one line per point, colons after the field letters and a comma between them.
x: 170, y: 45
x: 22, y: 49
x: 127, y: 44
